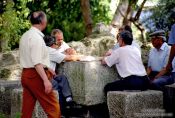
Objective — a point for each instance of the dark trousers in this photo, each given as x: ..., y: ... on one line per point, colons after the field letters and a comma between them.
x: 153, y: 74
x: 61, y: 84
x: 129, y: 83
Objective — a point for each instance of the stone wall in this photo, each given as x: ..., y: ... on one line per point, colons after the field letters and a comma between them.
x: 95, y: 45
x: 9, y: 66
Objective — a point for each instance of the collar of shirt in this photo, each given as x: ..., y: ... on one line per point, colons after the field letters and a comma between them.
x: 37, y: 30
x: 163, y: 46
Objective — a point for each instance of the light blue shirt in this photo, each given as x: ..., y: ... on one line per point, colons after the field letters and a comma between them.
x: 158, y: 59
x: 172, y: 41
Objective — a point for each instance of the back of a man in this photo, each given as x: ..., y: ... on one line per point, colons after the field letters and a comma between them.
x: 129, y: 60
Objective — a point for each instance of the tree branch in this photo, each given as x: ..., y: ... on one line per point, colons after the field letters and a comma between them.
x: 139, y: 11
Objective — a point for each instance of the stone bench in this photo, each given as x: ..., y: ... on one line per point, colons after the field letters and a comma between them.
x: 127, y: 104
x: 6, y: 88
x: 16, y: 100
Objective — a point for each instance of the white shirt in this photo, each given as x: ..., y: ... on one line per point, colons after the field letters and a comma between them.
x: 64, y: 46
x: 55, y: 57
x: 32, y: 49
x: 127, y: 60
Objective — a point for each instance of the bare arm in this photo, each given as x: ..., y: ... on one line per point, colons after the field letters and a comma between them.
x: 40, y: 70
x: 72, y: 57
x: 70, y: 51
x: 171, y: 57
x: 162, y: 72
x: 103, y: 61
x: 148, y: 70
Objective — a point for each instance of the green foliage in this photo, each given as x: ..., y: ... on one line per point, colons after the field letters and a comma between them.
x: 12, y: 26
x: 63, y: 14
x: 2, y: 115
x: 67, y: 16
x: 160, y: 16
x: 18, y: 115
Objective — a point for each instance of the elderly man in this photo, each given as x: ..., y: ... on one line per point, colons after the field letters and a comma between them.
x: 60, y: 82
x: 158, y: 59
x: 129, y: 64
x: 61, y: 45
x: 34, y: 59
x: 158, y: 56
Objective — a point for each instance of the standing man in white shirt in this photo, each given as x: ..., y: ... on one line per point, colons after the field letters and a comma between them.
x: 34, y: 59
x: 62, y: 46
x: 129, y: 64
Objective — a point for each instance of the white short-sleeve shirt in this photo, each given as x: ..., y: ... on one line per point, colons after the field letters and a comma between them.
x: 64, y: 46
x: 127, y: 60
x: 32, y: 49
x: 55, y: 57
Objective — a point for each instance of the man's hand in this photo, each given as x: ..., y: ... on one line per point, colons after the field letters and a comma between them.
x: 169, y: 67
x: 108, y: 53
x: 70, y: 51
x: 103, y: 61
x: 47, y: 86
x: 52, y: 71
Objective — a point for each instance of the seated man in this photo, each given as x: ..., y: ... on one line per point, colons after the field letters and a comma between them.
x: 129, y: 64
x: 116, y: 46
x: 158, y: 56
x: 61, y: 45
x: 158, y: 59
x: 60, y: 82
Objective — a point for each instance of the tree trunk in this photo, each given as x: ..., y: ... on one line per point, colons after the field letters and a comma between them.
x: 120, y: 13
x: 86, y: 11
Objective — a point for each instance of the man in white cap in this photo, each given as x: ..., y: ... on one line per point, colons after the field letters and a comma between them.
x: 158, y: 56
x: 158, y: 59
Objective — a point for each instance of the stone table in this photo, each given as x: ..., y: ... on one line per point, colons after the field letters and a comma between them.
x: 87, y: 80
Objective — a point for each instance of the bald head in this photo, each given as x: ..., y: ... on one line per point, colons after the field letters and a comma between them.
x: 37, y: 17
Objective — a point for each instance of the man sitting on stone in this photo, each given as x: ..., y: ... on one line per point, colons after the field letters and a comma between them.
x: 61, y: 45
x: 60, y: 82
x: 158, y: 56
x: 158, y: 59
x: 129, y: 64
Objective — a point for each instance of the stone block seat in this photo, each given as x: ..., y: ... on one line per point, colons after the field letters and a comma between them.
x: 135, y: 104
x: 6, y: 87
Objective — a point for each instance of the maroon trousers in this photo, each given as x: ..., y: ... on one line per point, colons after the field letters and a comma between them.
x: 33, y: 89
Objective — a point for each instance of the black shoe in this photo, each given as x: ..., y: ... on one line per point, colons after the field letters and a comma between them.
x: 73, y: 105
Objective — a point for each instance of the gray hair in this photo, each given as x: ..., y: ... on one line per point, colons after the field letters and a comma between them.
x: 55, y: 31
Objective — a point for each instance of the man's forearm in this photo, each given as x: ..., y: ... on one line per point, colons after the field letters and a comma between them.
x: 72, y: 58
x: 172, y: 54
x: 148, y: 71
x: 40, y: 70
x: 161, y: 73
